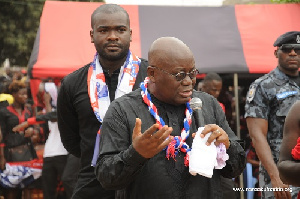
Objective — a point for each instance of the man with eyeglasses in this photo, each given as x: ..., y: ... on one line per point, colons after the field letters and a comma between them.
x: 268, y: 101
x: 147, y: 134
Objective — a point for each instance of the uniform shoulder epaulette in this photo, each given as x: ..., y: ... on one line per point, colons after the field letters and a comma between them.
x: 253, y: 86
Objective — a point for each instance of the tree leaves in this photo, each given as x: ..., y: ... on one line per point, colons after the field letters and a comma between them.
x: 19, y: 22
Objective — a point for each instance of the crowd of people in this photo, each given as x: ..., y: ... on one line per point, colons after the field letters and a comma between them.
x: 30, y: 142
x: 126, y: 127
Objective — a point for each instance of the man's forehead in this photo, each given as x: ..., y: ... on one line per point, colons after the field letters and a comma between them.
x: 103, y: 15
x: 112, y: 19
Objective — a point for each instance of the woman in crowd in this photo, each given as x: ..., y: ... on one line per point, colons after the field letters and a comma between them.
x: 18, y: 147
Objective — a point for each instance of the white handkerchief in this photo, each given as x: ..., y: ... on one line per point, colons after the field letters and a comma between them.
x: 203, y: 158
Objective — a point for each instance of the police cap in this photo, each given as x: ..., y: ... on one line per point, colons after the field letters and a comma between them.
x: 292, y: 37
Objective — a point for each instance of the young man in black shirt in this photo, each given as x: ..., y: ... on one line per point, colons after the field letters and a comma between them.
x: 85, y: 94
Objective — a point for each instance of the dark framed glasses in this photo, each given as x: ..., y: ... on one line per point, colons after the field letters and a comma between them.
x: 287, y: 48
x: 181, y: 75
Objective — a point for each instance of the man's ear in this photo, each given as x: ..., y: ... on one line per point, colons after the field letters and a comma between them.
x: 276, y: 53
x: 92, y: 36
x: 151, y: 73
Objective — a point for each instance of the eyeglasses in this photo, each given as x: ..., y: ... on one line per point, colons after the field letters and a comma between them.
x: 181, y: 75
x: 287, y: 48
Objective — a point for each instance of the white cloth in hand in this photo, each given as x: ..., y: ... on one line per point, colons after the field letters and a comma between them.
x: 203, y: 158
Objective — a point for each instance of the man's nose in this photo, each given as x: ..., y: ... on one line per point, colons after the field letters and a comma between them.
x: 112, y: 35
x: 187, y: 80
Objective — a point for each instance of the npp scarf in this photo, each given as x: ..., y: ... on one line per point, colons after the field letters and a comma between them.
x: 178, y: 143
x: 98, y: 90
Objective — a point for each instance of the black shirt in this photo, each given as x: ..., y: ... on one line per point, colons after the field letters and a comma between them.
x: 112, y: 82
x: 78, y: 127
x: 119, y: 166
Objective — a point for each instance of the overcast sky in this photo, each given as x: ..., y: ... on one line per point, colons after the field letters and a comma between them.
x: 169, y: 2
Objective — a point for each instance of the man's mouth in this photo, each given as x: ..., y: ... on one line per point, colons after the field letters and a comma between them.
x: 292, y: 61
x: 112, y: 47
x: 187, y: 93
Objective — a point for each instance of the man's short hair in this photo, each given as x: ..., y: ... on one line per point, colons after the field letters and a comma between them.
x: 211, y: 77
x: 109, y: 9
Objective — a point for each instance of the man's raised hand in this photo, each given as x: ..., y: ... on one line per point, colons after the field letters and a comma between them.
x: 152, y: 141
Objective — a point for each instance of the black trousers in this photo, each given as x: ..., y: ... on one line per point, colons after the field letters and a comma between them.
x: 53, y: 168
x: 227, y: 188
x: 70, y: 174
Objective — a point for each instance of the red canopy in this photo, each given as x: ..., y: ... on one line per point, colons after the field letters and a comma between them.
x: 224, y: 39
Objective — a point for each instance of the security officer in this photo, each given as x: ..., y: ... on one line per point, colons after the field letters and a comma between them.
x: 268, y: 101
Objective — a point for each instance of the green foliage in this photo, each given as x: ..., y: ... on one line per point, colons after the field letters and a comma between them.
x: 19, y: 22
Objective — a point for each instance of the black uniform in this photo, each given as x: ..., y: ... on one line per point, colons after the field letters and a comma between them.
x: 271, y: 97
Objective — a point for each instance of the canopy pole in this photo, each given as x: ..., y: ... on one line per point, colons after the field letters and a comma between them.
x: 237, y: 116
x: 236, y: 103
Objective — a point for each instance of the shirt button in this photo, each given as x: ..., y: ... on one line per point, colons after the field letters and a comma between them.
x: 174, y: 124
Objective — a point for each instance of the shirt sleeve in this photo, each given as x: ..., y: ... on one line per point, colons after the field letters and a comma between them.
x: 68, y: 121
x: 118, y: 162
x: 52, y: 116
x: 237, y: 156
x: 3, y: 124
x: 237, y: 160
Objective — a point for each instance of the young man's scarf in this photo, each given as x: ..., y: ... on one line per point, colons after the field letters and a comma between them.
x: 178, y: 143
x: 98, y: 90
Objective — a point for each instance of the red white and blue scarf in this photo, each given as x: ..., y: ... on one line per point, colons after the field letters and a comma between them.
x: 99, y: 93
x: 178, y: 143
